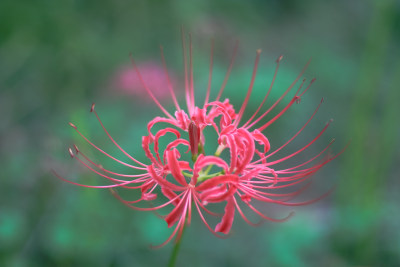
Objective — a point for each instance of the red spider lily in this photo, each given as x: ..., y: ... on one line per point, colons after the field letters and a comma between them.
x: 248, y: 176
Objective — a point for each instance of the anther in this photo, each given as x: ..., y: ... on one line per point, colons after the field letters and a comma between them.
x: 246, y: 198
x: 72, y: 125
x: 279, y: 59
x: 70, y: 152
x: 113, y: 192
x: 76, y: 149
x: 92, y: 108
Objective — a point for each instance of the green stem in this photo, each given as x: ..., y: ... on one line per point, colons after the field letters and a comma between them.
x: 204, y: 177
x: 217, y: 154
x: 175, y: 250
x: 187, y: 174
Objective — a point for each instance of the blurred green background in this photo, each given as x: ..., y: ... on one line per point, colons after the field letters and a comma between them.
x: 57, y: 57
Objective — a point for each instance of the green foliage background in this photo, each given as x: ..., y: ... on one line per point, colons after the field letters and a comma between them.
x: 57, y: 57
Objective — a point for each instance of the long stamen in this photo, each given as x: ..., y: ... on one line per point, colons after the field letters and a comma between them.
x: 179, y: 226
x: 187, y: 93
x: 280, y: 99
x: 117, y: 181
x: 308, y: 161
x: 295, y: 99
x: 148, y: 90
x: 300, y: 150
x: 170, y: 87
x: 243, y: 216
x: 192, y: 101
x: 91, y: 186
x: 102, y: 151
x: 197, y: 202
x: 269, y: 91
x: 329, y: 159
x: 210, y: 73
x: 117, y: 196
x: 293, y: 204
x: 103, y: 169
x: 269, y: 218
x: 253, y: 77
x: 112, y: 139
x: 228, y: 71
x: 298, y: 132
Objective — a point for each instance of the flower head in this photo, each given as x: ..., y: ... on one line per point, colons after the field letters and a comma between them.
x: 188, y: 183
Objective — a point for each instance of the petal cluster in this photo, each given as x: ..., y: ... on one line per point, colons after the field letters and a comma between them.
x: 184, y: 178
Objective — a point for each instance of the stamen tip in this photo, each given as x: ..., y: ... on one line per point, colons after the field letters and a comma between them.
x: 70, y: 152
x: 92, y: 107
x: 279, y: 59
x: 72, y: 125
x: 76, y: 149
x: 259, y: 51
x: 113, y: 191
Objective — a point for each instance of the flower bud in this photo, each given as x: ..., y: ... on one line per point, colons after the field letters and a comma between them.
x: 194, y: 139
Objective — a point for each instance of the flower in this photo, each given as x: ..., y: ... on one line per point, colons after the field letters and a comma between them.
x: 127, y: 81
x: 187, y: 183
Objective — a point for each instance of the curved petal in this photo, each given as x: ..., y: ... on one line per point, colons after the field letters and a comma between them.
x: 168, y: 193
x: 211, y: 160
x: 146, y: 141
x: 162, y: 182
x: 158, y: 120
x: 174, y: 168
x: 262, y: 139
x: 223, y: 179
x: 227, y: 220
x: 220, y: 196
x: 160, y: 134
x: 178, y: 211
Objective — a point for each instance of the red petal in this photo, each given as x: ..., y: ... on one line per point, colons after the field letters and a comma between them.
x: 174, y: 166
x: 227, y: 220
x: 177, y: 212
x: 162, y: 182
x: 229, y: 178
x: 262, y: 139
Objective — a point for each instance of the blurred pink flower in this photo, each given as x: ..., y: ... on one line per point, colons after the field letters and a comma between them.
x: 127, y: 81
x: 185, y: 184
